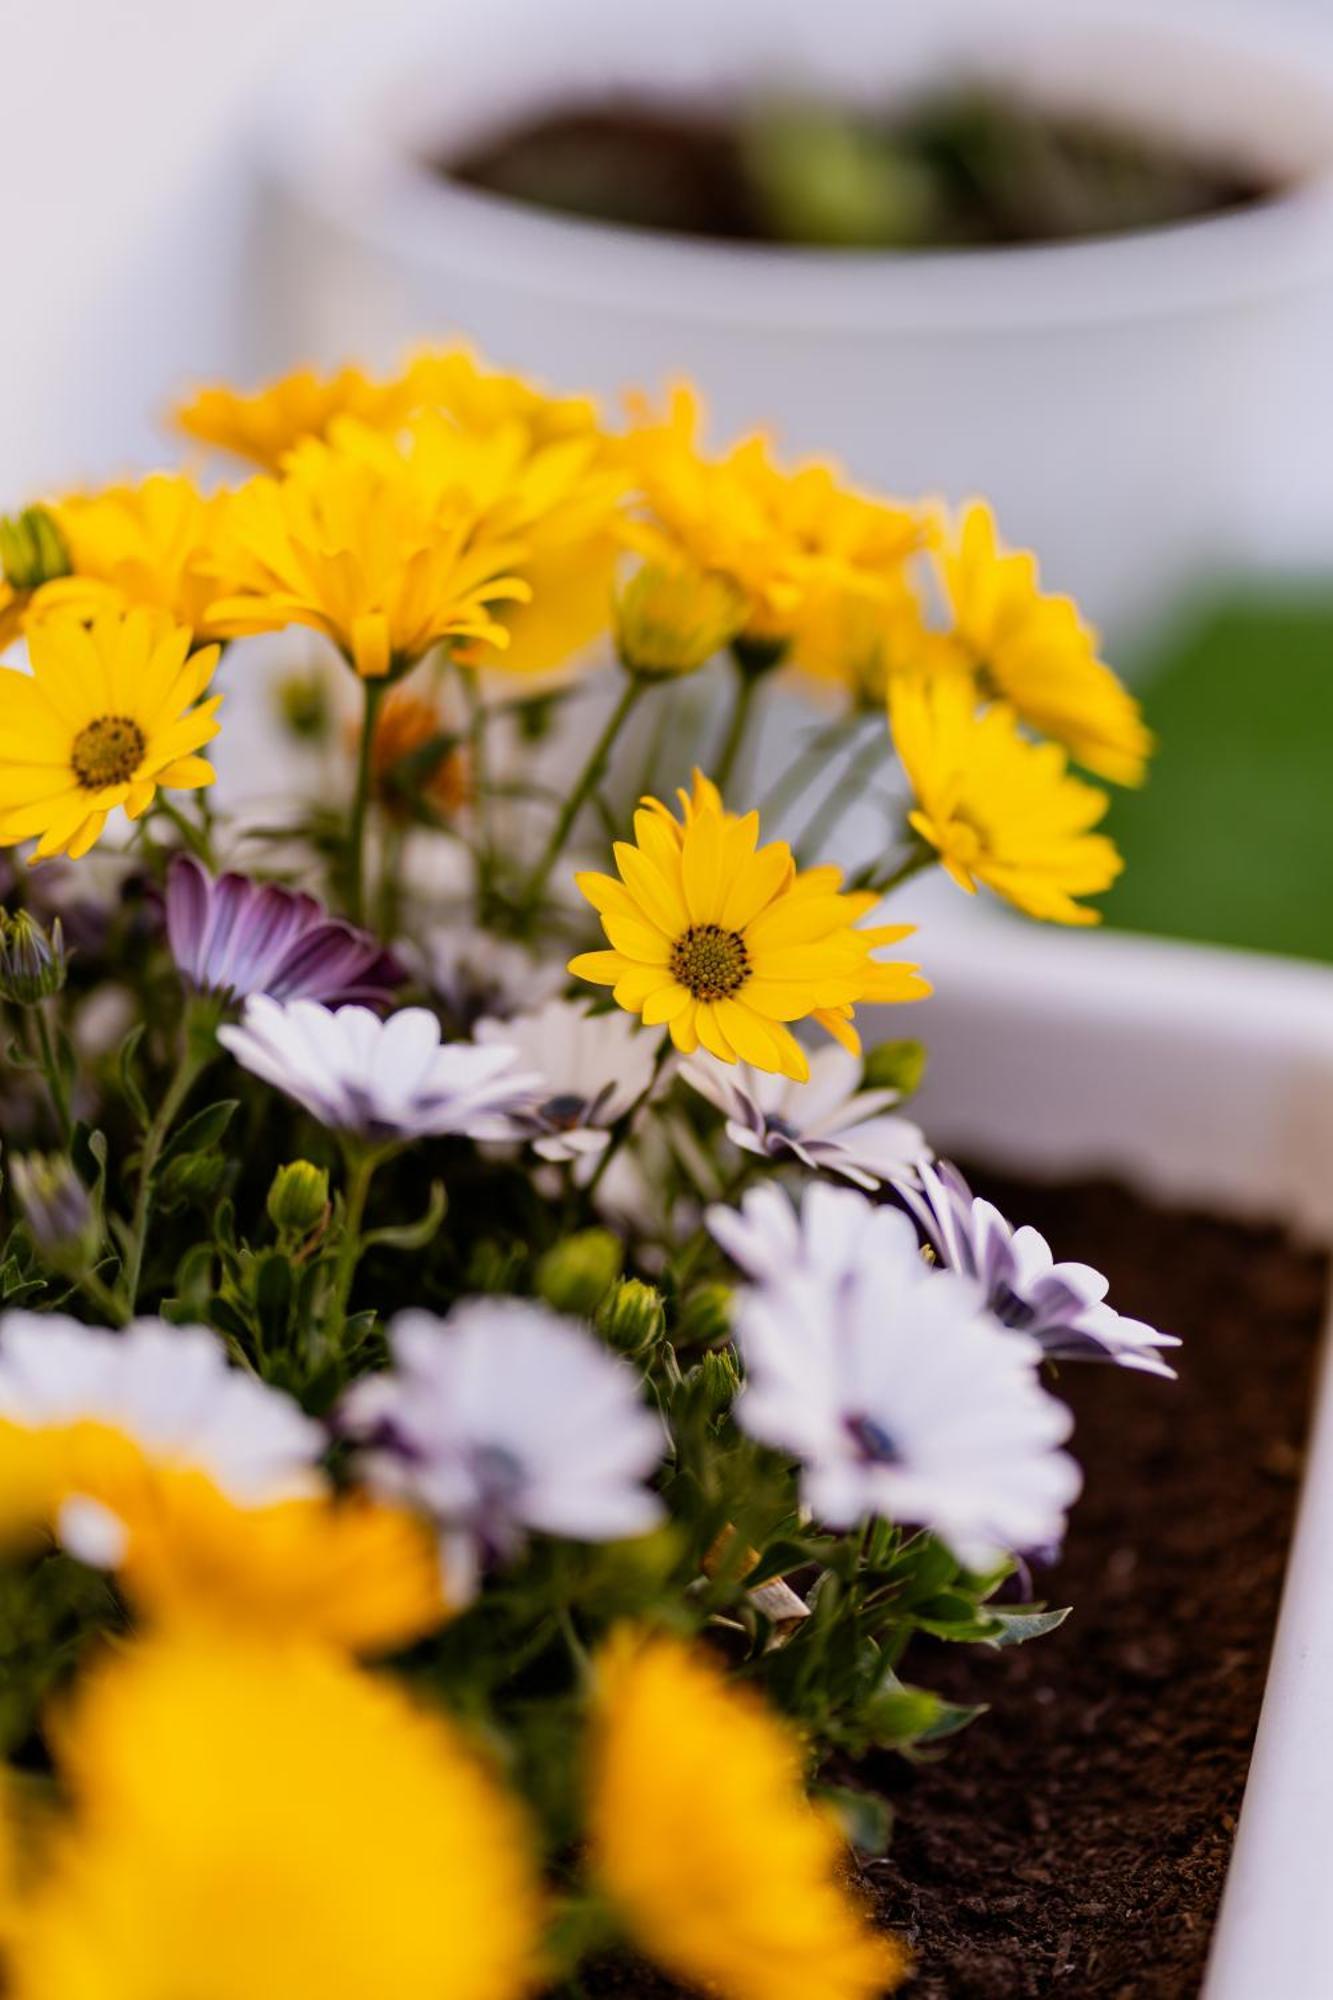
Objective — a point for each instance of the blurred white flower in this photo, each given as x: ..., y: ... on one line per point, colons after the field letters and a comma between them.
x: 828, y: 1122
x: 1060, y: 1306
x: 833, y: 1232
x: 172, y: 1392
x: 380, y: 1079
x: 503, y: 1418
x: 479, y: 975
x: 593, y: 1067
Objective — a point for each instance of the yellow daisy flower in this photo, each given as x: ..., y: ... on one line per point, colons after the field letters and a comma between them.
x: 138, y: 546
x: 252, y: 1822
x: 1035, y: 651
x: 858, y: 644
x: 481, y: 399
x: 725, y: 943
x: 998, y: 808
x: 555, y: 504
x: 703, y: 1839
x: 353, y: 542
x: 780, y: 536
x: 108, y: 714
x: 262, y: 425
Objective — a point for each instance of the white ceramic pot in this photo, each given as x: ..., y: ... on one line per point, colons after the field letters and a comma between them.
x: 1204, y: 1076
x: 1138, y: 408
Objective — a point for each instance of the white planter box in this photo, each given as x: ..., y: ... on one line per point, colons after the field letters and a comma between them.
x: 1204, y: 1076
x: 1136, y: 408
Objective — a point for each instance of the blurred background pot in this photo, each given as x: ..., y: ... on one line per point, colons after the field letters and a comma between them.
x: 1136, y: 406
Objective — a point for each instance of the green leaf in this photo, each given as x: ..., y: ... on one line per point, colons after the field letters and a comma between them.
x: 952, y: 1717
x: 129, y: 1083
x: 900, y: 1715
x: 896, y: 1066
x: 201, y: 1132
x: 1017, y: 1627
x: 412, y: 1235
x: 781, y: 1557
x: 866, y: 1821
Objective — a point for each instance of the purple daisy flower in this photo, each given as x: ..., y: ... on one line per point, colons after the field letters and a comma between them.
x: 231, y: 935
x: 1060, y: 1306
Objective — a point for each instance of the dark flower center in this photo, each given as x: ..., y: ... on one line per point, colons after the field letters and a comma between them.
x: 710, y: 962
x: 873, y: 1444
x: 107, y: 752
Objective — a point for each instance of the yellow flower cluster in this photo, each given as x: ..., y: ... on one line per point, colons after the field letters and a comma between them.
x: 453, y: 504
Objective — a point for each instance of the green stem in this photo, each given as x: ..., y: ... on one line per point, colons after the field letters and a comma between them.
x: 848, y: 790
x: 191, y: 1064
x: 589, y: 778
x: 807, y: 764
x: 361, y: 1165
x: 915, y: 862
x: 55, y: 1081
x: 103, y: 1297
x: 478, y: 721
x: 356, y: 830
x: 747, y: 686
x: 623, y: 1125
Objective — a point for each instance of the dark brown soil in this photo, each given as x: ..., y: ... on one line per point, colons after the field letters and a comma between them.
x: 1075, y: 1839
x: 972, y: 166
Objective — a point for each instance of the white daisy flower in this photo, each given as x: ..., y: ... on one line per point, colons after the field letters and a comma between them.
x: 1060, y: 1306
x: 904, y: 1399
x: 478, y: 975
x: 834, y: 1232
x: 503, y: 1418
x: 172, y: 1391
x: 593, y: 1068
x: 381, y: 1079
x: 828, y: 1122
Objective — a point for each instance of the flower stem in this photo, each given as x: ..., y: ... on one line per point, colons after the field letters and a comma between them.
x: 51, y: 1070
x: 623, y: 1125
x: 193, y: 1060
x: 807, y: 764
x: 747, y: 686
x: 849, y: 788
x: 356, y: 829
x: 589, y: 778
x: 917, y: 859
x: 361, y: 1164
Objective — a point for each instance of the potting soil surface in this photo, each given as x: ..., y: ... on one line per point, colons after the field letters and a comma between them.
x: 1074, y: 1840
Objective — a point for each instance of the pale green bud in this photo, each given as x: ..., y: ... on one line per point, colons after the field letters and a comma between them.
x: 705, y: 1317
x: 671, y: 621
x: 298, y: 1199
x: 574, y: 1276
x: 57, y: 1209
x: 32, y: 549
x: 632, y: 1317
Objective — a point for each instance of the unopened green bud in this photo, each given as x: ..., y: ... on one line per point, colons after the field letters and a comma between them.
x: 32, y: 549
x: 298, y: 1200
x: 57, y: 1209
x: 705, y: 1317
x: 191, y: 1178
x: 303, y: 705
x: 576, y: 1275
x: 756, y: 654
x: 632, y: 1317
x: 716, y: 1380
x: 32, y: 961
x: 896, y: 1066
x: 671, y: 621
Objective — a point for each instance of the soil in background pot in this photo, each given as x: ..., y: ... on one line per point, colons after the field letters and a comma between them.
x: 975, y: 167
x: 1075, y: 1839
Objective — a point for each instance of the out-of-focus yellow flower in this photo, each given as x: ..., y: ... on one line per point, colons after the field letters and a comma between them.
x: 703, y: 1838
x: 407, y: 723
x: 262, y: 425
x: 555, y: 504
x: 782, y: 537
x: 998, y: 808
x: 352, y: 1573
x: 725, y: 943
x: 146, y: 546
x: 108, y: 714
x: 482, y: 399
x: 858, y: 644
x: 671, y: 620
x: 355, y: 543
x: 256, y: 1823
x: 1035, y: 651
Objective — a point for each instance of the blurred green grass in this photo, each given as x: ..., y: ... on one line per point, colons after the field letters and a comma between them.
x: 1231, y: 840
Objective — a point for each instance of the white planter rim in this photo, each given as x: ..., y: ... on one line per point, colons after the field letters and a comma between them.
x: 357, y: 133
